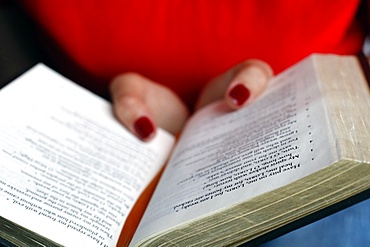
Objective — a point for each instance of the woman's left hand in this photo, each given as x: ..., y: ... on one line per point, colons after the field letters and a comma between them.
x: 238, y: 86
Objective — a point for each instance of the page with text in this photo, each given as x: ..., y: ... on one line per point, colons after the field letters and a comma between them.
x: 225, y: 157
x: 68, y: 170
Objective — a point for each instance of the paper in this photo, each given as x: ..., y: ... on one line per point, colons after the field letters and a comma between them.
x: 68, y: 170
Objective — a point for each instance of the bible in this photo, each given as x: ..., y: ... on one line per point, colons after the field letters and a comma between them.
x: 71, y: 175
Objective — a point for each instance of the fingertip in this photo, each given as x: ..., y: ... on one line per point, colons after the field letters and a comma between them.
x: 248, y: 81
x: 238, y: 95
x: 144, y: 128
x: 135, y: 116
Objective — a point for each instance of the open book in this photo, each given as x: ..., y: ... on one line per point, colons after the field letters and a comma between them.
x: 71, y: 175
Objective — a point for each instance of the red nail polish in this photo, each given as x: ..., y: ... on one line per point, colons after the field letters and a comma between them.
x: 239, y: 94
x: 144, y: 127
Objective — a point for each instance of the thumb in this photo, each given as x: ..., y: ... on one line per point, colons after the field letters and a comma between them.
x: 248, y: 80
x: 141, y: 105
x: 239, y: 85
x: 128, y: 95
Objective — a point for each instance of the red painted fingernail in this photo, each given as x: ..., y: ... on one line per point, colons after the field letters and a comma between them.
x: 144, y: 127
x: 239, y: 94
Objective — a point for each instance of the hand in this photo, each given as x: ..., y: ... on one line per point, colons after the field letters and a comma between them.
x: 142, y: 105
x: 238, y: 86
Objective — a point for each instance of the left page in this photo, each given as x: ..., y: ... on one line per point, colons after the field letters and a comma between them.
x: 68, y: 170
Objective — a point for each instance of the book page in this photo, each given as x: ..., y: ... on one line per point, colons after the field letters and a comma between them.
x: 68, y: 170
x: 226, y: 157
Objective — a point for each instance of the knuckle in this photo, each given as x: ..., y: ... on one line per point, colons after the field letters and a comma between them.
x: 125, y: 101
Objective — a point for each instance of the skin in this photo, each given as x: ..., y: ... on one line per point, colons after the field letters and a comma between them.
x: 135, y: 96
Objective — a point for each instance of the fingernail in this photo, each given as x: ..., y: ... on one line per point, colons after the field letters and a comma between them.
x: 239, y: 94
x: 144, y: 127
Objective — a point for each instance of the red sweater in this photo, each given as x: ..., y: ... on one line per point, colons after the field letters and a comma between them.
x: 183, y: 44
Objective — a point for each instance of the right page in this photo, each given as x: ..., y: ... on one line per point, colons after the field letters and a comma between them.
x: 226, y: 157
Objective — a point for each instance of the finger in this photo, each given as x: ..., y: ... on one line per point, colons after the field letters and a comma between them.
x: 128, y: 93
x: 248, y: 80
x: 142, y: 105
x: 238, y: 86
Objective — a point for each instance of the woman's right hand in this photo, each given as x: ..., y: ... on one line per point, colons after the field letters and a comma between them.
x: 142, y: 105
